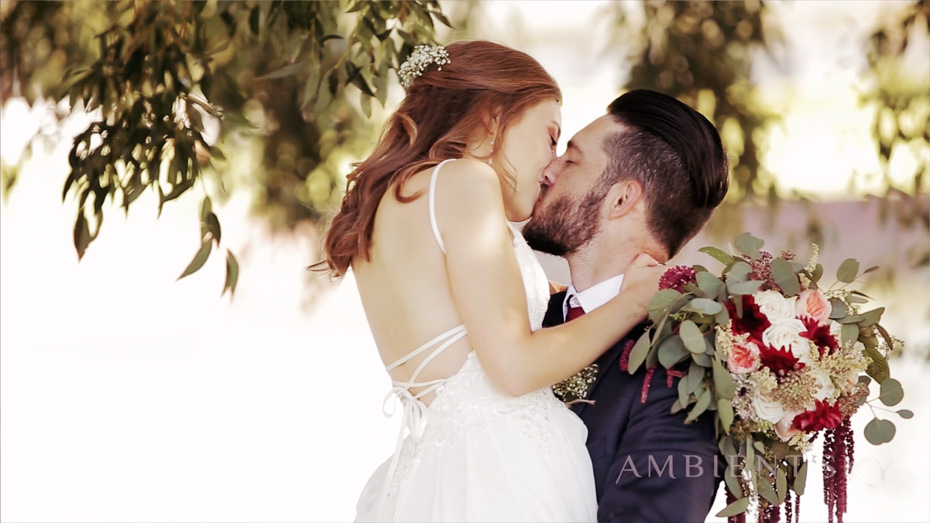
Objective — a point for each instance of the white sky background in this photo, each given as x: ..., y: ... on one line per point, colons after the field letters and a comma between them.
x: 127, y: 396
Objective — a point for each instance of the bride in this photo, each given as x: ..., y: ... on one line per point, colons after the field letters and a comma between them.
x: 455, y: 298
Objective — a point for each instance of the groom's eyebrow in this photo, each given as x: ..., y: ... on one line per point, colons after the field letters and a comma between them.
x: 572, y: 146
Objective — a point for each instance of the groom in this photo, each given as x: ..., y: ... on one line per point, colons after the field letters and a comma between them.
x: 644, y: 178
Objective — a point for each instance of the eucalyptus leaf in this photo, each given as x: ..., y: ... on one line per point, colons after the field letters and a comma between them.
x: 725, y: 413
x: 800, y: 480
x: 717, y: 254
x: 198, y: 260
x: 871, y: 317
x: 785, y: 277
x: 232, y: 273
x: 891, y: 392
x: 700, y: 406
x: 672, y: 351
x: 766, y: 490
x: 879, y: 431
x: 739, y: 272
x: 705, y: 306
x: 744, y: 287
x: 692, y: 337
x: 848, y: 270
x: 638, y: 354
x: 663, y: 299
x: 708, y: 283
x: 878, y: 366
x: 839, y: 309
x: 749, y: 245
x: 702, y: 359
x: 849, y: 332
x: 733, y: 509
x: 904, y: 413
x: 723, y: 382
x: 781, y: 484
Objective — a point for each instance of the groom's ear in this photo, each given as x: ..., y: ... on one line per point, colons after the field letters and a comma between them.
x: 624, y: 197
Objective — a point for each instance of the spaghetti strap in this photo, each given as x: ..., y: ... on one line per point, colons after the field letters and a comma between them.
x: 432, y: 205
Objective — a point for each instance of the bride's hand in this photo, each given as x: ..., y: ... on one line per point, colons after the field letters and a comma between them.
x: 641, y: 281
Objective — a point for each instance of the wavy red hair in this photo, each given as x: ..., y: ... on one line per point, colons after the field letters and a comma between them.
x: 442, y: 113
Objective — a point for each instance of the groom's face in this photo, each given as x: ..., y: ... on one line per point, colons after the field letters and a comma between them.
x: 568, y: 212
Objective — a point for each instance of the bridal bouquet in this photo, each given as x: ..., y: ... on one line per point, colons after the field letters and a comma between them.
x: 781, y: 359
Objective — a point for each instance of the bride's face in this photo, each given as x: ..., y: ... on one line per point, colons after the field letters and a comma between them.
x: 529, y: 145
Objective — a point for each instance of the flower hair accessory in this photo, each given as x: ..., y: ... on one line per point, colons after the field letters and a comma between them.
x: 421, y: 58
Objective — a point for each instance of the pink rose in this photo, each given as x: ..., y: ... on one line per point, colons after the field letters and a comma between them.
x: 813, y: 304
x: 785, y: 429
x: 744, y: 357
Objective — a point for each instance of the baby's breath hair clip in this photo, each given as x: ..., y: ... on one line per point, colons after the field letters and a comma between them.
x: 421, y: 57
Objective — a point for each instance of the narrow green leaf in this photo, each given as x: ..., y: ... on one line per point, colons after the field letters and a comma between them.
x: 638, y: 354
x: 725, y: 411
x: 683, y: 393
x: 800, y: 481
x: 287, y: 70
x: 848, y: 270
x: 81, y: 234
x: 785, y: 277
x: 781, y: 484
x: 232, y: 273
x: 717, y: 254
x: 198, y: 260
x: 766, y: 490
x: 891, y: 392
x: 723, y: 382
x: 695, y: 377
x: 692, y: 337
x: 700, y: 406
x: 749, y: 245
x: 732, y: 481
x: 737, y: 507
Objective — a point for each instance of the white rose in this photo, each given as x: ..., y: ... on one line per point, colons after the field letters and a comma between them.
x: 775, y: 306
x: 825, y: 384
x: 767, y: 409
x: 787, y: 334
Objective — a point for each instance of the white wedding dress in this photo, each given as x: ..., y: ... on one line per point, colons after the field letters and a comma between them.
x: 475, y: 454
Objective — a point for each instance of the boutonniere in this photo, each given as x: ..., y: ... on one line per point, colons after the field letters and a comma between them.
x: 575, y: 388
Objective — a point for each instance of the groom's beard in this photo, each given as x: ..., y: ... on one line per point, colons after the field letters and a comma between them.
x: 561, y: 229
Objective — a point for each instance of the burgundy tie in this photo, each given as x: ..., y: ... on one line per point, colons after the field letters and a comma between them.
x: 573, y: 312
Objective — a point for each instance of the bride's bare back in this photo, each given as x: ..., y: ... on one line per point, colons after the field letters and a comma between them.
x: 404, y: 286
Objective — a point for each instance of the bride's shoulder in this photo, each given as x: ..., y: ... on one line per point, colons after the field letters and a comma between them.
x: 469, y: 177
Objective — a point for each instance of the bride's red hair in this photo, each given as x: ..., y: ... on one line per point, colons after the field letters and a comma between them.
x: 442, y: 111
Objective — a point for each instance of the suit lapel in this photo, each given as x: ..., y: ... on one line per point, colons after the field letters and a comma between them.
x: 554, y: 314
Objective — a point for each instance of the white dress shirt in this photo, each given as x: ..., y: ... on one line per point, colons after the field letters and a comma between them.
x: 592, y: 297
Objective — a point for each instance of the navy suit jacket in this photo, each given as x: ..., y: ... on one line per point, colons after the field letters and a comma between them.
x: 648, y: 465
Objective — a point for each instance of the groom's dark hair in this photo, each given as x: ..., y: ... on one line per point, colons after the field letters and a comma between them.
x: 677, y: 156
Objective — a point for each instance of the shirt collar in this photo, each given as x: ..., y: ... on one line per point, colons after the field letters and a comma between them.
x: 594, y: 296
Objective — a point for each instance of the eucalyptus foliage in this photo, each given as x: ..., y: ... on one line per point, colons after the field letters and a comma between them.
x: 154, y: 72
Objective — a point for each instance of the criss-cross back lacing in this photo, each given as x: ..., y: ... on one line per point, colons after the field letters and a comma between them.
x: 414, y: 416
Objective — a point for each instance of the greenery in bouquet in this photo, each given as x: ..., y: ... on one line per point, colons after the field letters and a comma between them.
x: 780, y: 359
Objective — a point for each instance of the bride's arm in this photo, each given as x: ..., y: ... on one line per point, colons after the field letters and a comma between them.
x: 488, y: 290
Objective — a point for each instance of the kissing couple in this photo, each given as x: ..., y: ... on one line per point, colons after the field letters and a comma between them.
x: 471, y: 331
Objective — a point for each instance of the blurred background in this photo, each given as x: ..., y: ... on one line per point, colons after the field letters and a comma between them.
x: 215, y: 137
